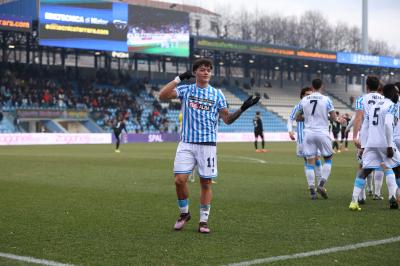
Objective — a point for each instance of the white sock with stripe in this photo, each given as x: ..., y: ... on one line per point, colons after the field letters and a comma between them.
x: 359, y: 184
x: 204, y: 212
x: 310, y: 173
x: 391, y: 182
x: 378, y: 180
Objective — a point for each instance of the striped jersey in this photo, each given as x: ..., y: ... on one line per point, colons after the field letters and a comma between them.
x: 300, y: 124
x: 375, y: 119
x: 365, y: 103
x: 200, y: 109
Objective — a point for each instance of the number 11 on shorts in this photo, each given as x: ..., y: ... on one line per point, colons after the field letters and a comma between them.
x: 209, y: 160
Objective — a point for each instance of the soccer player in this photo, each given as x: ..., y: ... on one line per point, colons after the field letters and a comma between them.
x: 258, y: 132
x: 316, y: 109
x: 121, y: 125
x: 335, y: 126
x: 299, y: 147
x: 363, y: 105
x: 343, y: 133
x: 379, y: 145
x: 202, y: 105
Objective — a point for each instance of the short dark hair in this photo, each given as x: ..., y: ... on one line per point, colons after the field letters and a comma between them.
x: 389, y: 91
x: 303, y: 91
x: 373, y: 83
x: 202, y: 62
x: 317, y: 84
x: 258, y: 113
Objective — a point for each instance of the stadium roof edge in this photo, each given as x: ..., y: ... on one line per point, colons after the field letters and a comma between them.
x: 259, y: 48
x: 239, y: 41
x: 167, y: 5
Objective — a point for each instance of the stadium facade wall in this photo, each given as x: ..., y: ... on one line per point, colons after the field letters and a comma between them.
x: 54, y: 138
x: 108, y: 138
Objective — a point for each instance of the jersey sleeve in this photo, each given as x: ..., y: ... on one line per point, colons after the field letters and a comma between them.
x: 329, y: 105
x: 221, y: 104
x: 292, y: 115
x: 393, y: 109
x: 181, y: 91
x: 359, y: 104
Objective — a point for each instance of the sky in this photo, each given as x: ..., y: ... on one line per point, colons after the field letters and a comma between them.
x: 384, y: 15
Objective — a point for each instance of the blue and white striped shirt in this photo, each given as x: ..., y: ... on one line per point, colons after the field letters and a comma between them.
x: 300, y: 124
x: 360, y: 104
x: 200, y: 109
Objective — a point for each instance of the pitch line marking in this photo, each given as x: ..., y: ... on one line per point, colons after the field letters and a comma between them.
x: 245, y: 158
x: 318, y: 252
x: 32, y: 260
x: 252, y: 159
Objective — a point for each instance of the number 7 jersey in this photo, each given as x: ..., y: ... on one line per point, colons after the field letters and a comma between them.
x: 316, y: 108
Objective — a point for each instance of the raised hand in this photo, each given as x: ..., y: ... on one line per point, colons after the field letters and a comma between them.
x: 249, y: 103
x: 186, y: 75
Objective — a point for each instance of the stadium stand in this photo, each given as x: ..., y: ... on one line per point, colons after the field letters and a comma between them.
x: 345, y: 96
x: 107, y: 96
x: 282, y: 100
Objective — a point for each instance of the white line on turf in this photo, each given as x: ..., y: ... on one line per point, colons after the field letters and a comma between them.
x: 245, y: 158
x: 32, y: 260
x: 252, y: 159
x: 318, y: 252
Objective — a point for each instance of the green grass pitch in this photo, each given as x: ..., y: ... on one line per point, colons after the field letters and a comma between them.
x: 86, y: 205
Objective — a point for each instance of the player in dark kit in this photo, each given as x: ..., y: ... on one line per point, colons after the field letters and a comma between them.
x: 258, y: 132
x: 343, y: 133
x: 335, y: 126
x: 117, y: 132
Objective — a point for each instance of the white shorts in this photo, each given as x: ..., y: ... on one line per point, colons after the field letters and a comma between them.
x: 300, y: 150
x: 316, y: 144
x: 189, y: 155
x: 373, y: 157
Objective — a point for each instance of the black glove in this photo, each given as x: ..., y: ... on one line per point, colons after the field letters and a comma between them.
x: 186, y: 75
x: 249, y: 103
x: 389, y: 152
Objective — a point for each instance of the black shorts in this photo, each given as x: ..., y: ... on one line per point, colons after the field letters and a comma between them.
x: 335, y: 134
x: 258, y: 133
